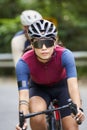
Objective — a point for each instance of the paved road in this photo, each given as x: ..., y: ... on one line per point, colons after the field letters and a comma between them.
x: 9, y: 103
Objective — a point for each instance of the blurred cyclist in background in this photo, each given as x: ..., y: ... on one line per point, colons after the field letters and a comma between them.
x: 45, y: 73
x: 20, y: 41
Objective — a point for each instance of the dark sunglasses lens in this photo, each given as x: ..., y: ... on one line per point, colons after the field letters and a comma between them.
x: 49, y: 43
x: 39, y: 44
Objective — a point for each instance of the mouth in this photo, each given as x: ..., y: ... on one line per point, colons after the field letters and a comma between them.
x: 44, y: 53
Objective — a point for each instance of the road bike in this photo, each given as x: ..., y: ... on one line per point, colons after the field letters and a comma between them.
x: 52, y: 115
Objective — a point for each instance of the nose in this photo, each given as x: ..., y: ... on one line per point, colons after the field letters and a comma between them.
x: 44, y: 46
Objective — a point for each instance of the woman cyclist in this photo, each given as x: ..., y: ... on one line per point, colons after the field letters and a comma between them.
x: 47, y: 72
x: 21, y: 40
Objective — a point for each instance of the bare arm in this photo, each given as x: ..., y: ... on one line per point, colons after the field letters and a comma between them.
x: 74, y: 91
x: 24, y: 101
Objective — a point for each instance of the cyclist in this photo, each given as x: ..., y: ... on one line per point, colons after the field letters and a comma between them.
x: 21, y: 40
x: 47, y: 72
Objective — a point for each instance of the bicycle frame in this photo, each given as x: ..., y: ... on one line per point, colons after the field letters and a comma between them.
x: 57, y: 116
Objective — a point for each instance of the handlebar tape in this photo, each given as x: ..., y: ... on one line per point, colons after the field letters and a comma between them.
x: 21, y: 119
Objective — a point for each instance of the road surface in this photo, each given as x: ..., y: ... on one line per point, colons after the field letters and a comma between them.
x: 9, y: 103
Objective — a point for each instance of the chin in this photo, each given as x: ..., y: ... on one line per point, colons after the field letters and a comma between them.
x: 45, y: 58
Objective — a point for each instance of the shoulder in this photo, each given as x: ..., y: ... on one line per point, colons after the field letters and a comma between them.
x: 63, y: 51
x: 68, y: 53
x: 59, y: 50
x: 19, y: 37
x: 68, y: 57
x: 19, y: 33
x: 27, y: 55
x: 21, y: 67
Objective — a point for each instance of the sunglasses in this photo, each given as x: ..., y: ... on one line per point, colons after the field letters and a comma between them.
x: 39, y: 44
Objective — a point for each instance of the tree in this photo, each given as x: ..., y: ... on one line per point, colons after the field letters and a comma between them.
x: 69, y: 14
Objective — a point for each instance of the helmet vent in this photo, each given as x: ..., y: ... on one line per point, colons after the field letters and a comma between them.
x: 38, y: 25
x: 35, y: 35
x: 45, y: 26
x: 34, y: 29
x: 29, y: 17
x: 51, y: 28
x: 41, y: 21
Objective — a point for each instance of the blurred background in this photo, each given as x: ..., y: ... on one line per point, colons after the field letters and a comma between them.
x: 68, y: 15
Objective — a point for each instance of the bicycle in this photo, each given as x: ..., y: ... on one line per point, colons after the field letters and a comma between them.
x: 53, y: 115
x: 53, y: 118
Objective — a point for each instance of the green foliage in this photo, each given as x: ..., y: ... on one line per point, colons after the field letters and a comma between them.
x: 10, y: 8
x: 70, y: 16
x: 82, y: 71
x: 8, y: 27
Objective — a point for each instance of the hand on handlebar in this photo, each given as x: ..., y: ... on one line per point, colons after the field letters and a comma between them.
x: 22, y: 122
x: 79, y: 117
x: 78, y: 114
x: 19, y: 128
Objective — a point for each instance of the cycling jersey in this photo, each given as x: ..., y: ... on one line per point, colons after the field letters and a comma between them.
x: 60, y: 66
x: 21, y: 33
x: 18, y: 44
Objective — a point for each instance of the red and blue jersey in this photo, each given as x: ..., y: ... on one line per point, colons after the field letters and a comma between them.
x: 60, y: 66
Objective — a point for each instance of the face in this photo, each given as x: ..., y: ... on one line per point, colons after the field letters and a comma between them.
x: 44, y: 49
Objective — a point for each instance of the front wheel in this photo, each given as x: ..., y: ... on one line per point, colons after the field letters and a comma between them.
x: 58, y: 125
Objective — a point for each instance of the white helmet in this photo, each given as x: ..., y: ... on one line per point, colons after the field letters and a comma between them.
x: 42, y: 29
x: 29, y: 16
